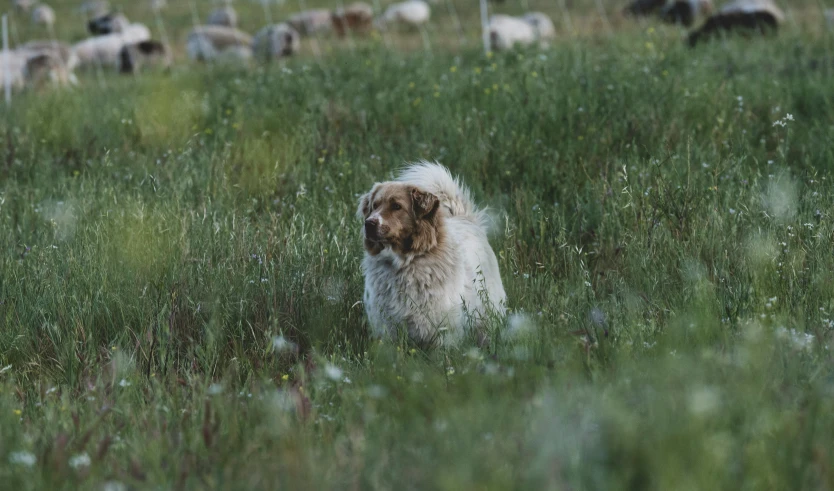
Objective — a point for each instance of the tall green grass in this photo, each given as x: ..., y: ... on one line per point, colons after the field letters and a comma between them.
x: 180, y: 286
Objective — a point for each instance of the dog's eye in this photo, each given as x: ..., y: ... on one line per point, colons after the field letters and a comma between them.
x: 396, y: 206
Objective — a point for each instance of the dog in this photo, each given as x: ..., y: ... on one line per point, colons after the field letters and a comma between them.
x: 428, y: 265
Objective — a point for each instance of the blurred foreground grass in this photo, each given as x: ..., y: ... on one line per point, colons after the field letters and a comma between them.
x: 180, y: 285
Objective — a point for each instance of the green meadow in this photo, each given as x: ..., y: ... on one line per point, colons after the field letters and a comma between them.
x: 180, y: 290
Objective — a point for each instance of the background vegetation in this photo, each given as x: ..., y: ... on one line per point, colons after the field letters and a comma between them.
x: 180, y: 286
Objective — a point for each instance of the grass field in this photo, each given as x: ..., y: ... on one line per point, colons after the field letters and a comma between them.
x: 180, y: 286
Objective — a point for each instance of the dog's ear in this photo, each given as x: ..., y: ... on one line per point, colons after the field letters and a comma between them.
x: 364, y: 209
x: 425, y: 204
x: 426, y: 235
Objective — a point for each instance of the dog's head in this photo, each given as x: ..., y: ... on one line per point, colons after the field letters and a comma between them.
x: 400, y: 216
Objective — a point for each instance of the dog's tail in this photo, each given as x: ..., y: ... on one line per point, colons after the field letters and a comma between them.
x: 453, y: 195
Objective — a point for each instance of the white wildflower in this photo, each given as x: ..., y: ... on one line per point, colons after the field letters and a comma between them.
x: 113, y: 486
x: 26, y: 459
x: 703, y: 400
x: 799, y: 340
x: 784, y: 121
x: 79, y: 461
x: 124, y: 383
x: 518, y: 325
x: 333, y: 372
x: 280, y: 344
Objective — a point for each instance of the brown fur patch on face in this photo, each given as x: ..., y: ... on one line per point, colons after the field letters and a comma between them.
x: 407, y: 219
x: 426, y: 235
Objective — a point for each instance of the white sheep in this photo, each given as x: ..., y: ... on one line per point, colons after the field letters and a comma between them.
x: 134, y: 57
x: 748, y: 15
x: 542, y: 25
x: 218, y: 43
x: 506, y: 31
x: 224, y: 16
x: 276, y: 41
x: 311, y: 21
x: 94, y: 8
x: 685, y: 11
x: 29, y: 68
x: 56, y: 49
x: 412, y: 13
x: 108, y: 24
x: 43, y: 15
x: 105, y: 50
x: 357, y: 17
x: 24, y: 5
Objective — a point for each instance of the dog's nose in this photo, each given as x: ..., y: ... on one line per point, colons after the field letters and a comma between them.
x: 371, y: 227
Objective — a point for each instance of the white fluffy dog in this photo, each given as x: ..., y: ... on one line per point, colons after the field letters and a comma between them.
x: 428, y: 264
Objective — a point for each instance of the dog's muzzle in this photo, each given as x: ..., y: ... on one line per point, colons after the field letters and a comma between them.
x: 372, y: 229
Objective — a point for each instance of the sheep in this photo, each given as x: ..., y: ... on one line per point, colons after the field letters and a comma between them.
x: 276, y: 41
x: 107, y: 24
x: 685, y: 11
x: 412, y: 13
x: 761, y: 16
x: 136, y: 55
x: 43, y: 15
x: 24, y: 5
x: 639, y: 8
x: 94, y: 8
x: 356, y: 17
x: 28, y: 68
x: 311, y: 21
x: 57, y: 49
x: 218, y: 42
x: 224, y: 16
x: 105, y: 50
x: 506, y: 31
x: 542, y: 25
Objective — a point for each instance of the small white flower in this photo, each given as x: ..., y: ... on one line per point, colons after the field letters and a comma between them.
x: 80, y: 460
x: 26, y: 459
x: 281, y: 344
x: 215, y: 389
x: 376, y: 392
x: 333, y: 372
x: 113, y: 486
x: 704, y: 400
x: 124, y: 383
x: 799, y: 340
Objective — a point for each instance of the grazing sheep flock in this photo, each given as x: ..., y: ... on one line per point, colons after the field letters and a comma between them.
x: 413, y: 13
x: 118, y: 44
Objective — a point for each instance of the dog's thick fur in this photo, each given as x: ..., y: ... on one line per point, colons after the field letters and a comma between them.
x: 428, y: 264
